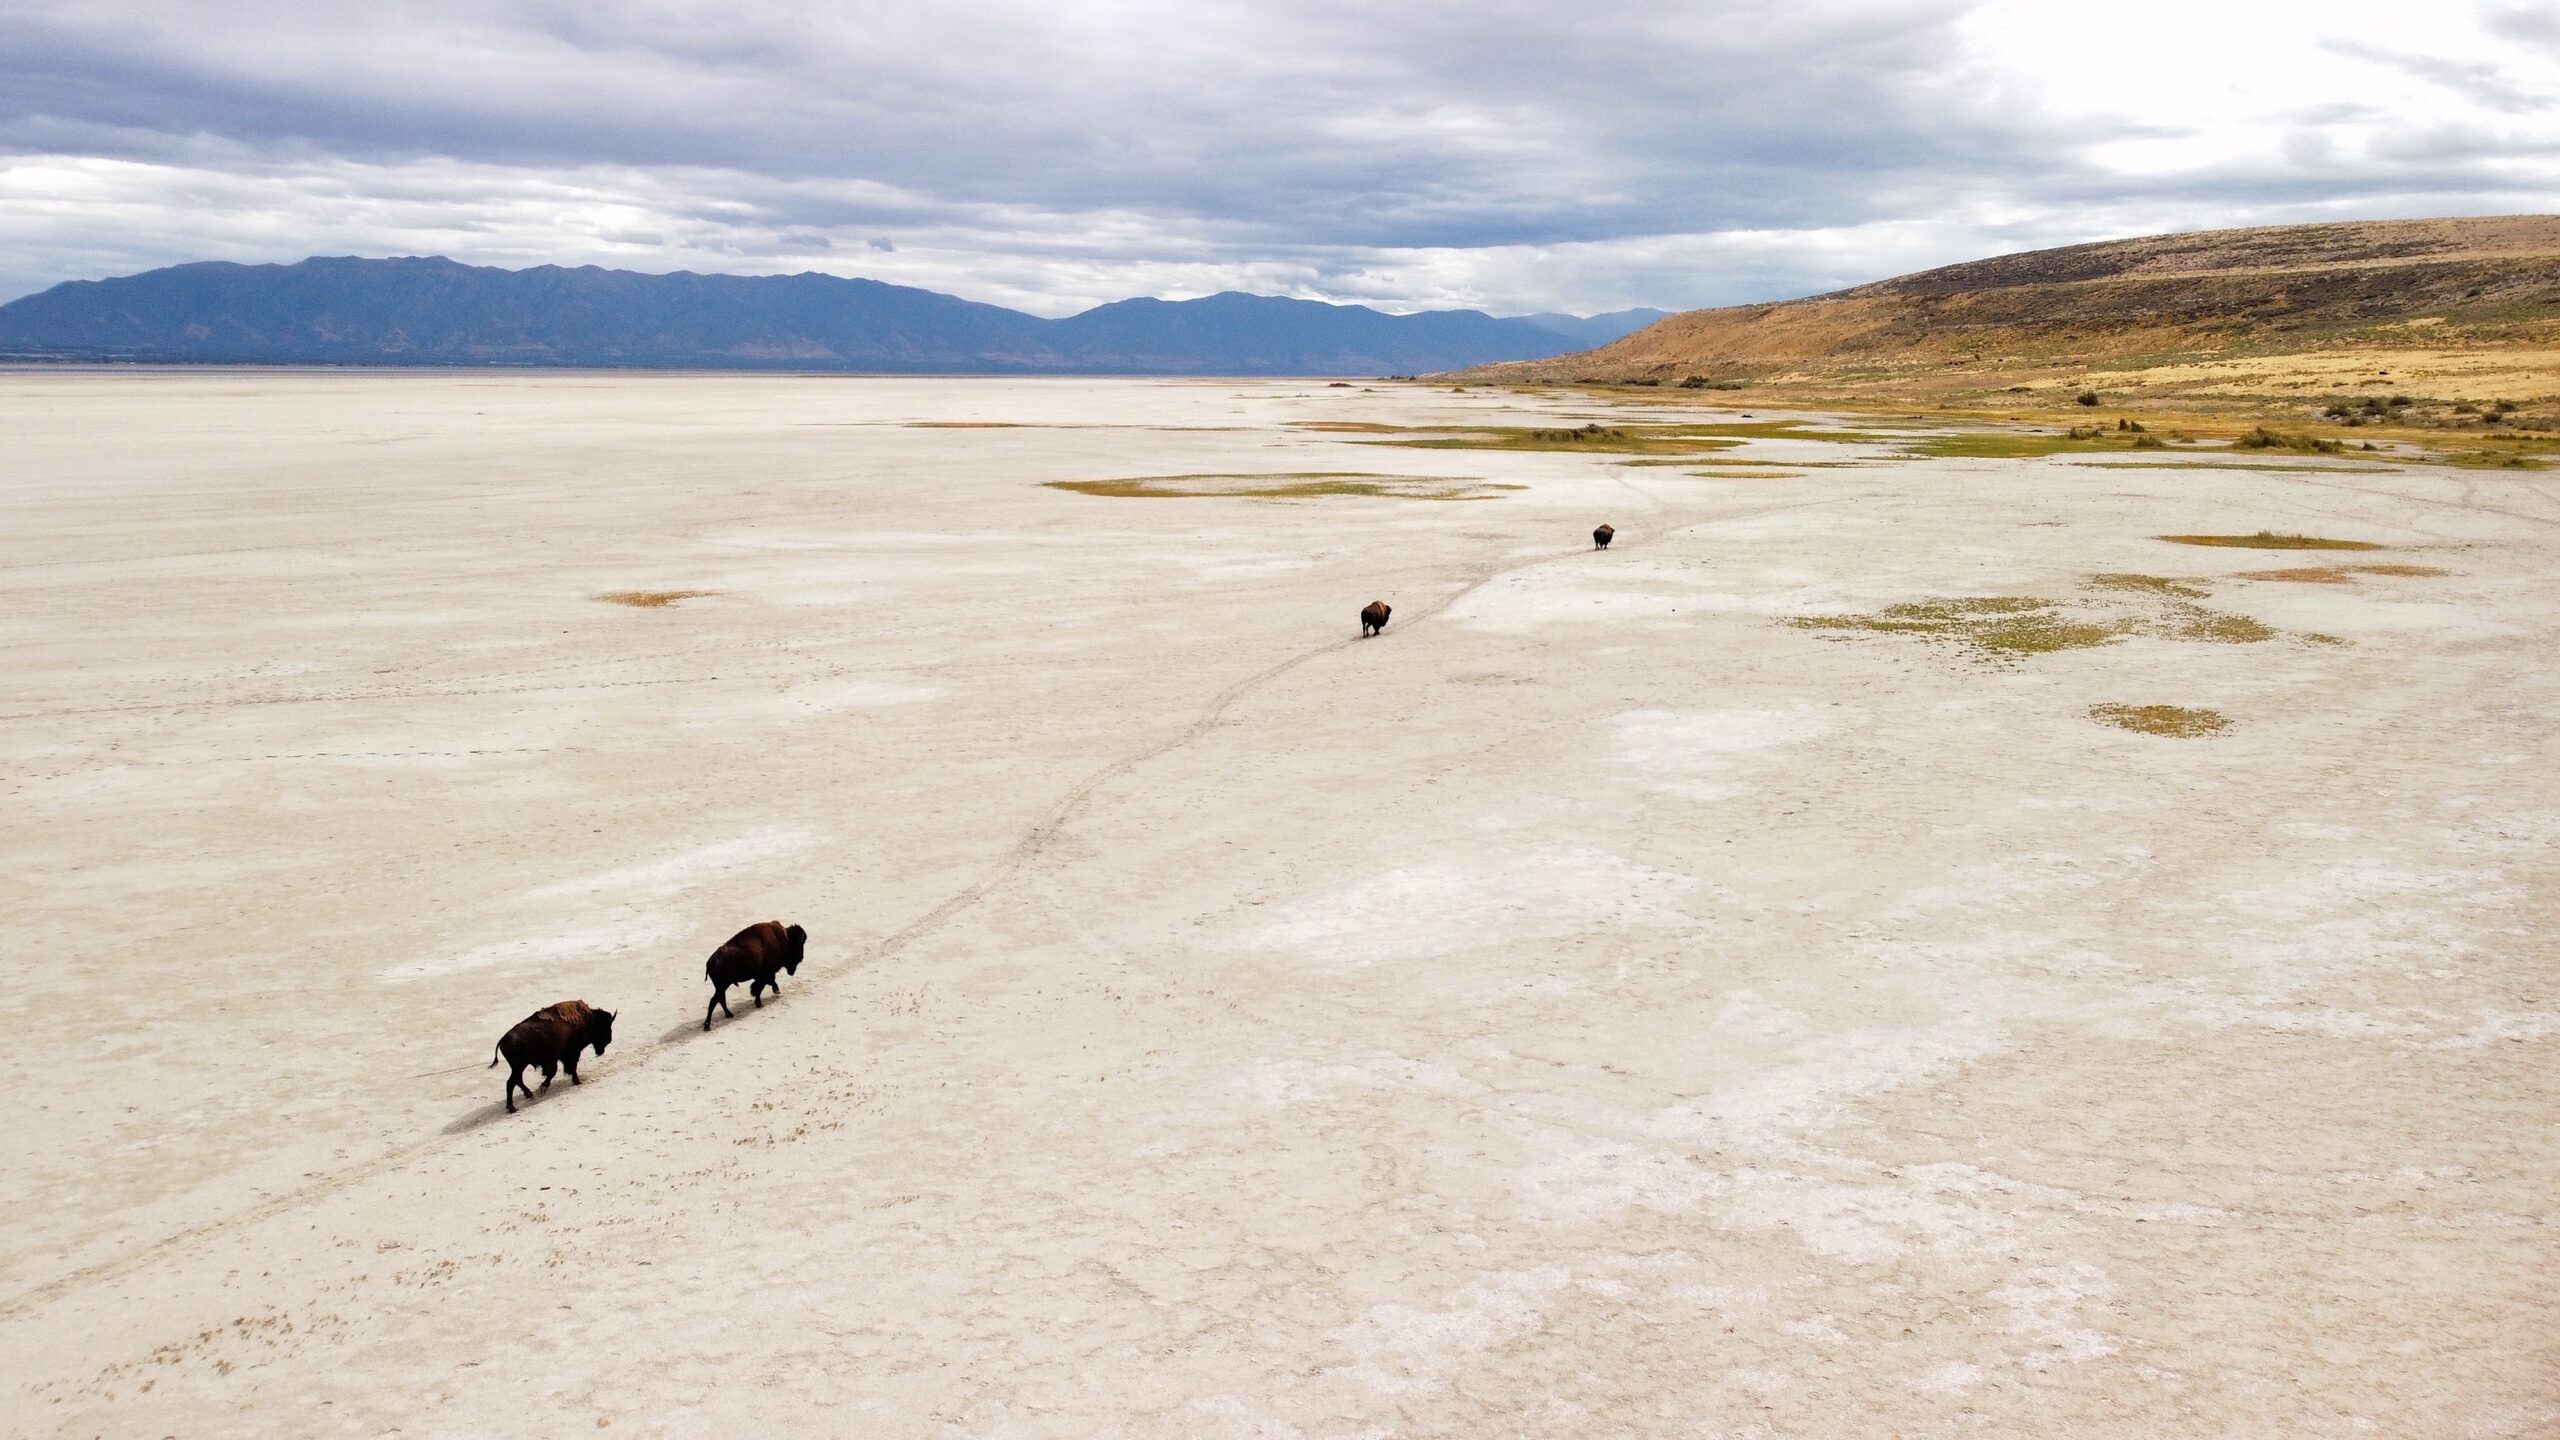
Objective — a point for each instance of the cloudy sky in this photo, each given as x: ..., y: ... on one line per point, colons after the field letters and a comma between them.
x: 1507, y: 154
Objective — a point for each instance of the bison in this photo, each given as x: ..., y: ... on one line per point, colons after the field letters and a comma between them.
x: 1600, y: 537
x: 1373, y: 618
x: 752, y: 958
x: 551, y: 1037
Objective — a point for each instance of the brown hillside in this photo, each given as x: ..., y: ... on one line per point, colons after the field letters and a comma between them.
x: 2266, y: 310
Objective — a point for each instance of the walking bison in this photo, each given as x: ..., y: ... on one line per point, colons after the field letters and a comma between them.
x: 1373, y: 618
x: 753, y: 957
x: 550, y: 1039
x: 1600, y: 538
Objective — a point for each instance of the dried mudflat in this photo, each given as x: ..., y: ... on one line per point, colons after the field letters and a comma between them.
x: 1600, y: 1005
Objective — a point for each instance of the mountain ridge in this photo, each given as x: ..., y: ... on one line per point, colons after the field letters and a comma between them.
x: 433, y: 311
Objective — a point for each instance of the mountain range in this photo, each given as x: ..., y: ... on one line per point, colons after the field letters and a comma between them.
x: 433, y: 311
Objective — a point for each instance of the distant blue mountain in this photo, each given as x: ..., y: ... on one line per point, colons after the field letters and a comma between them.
x: 433, y: 311
x: 1595, y: 330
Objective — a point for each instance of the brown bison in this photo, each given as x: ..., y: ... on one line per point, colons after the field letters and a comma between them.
x: 752, y: 958
x: 551, y: 1037
x: 1373, y: 618
x: 1600, y: 537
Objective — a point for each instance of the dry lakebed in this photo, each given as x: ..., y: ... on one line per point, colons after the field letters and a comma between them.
x: 1893, y: 946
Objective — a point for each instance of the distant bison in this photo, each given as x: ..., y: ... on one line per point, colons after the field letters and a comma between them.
x: 551, y: 1038
x: 1600, y: 538
x: 1373, y: 618
x: 752, y: 958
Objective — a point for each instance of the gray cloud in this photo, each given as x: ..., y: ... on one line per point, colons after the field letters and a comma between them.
x: 1506, y: 153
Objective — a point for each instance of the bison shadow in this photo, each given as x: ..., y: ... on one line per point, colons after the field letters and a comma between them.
x: 692, y: 1029
x: 496, y: 1110
x: 682, y: 1032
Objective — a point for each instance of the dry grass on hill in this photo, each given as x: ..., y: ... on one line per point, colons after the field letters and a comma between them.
x: 2440, y: 325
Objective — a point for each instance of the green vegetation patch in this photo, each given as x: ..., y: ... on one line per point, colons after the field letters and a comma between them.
x: 2173, y: 720
x: 2151, y: 585
x: 2200, y: 464
x: 1288, y: 485
x: 2027, y: 445
x: 2010, y: 627
x: 2194, y: 622
x: 2491, y: 460
x: 1736, y: 462
x: 1587, y: 439
x: 1996, y: 626
x: 650, y: 599
x: 2269, y: 540
x: 2263, y: 438
x: 1594, y: 438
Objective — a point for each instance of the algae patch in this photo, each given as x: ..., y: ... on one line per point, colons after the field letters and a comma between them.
x: 1288, y: 485
x: 2269, y: 540
x: 2172, y: 720
x: 650, y: 599
x: 2337, y: 574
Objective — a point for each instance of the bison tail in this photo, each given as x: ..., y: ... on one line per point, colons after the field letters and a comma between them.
x: 494, y: 1057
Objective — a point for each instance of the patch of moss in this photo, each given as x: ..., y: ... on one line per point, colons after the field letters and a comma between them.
x: 2150, y: 585
x: 1287, y: 485
x: 2172, y: 720
x: 650, y: 599
x: 2269, y: 540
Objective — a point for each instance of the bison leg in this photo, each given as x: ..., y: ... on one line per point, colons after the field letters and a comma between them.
x: 755, y: 990
x: 550, y: 1068
x: 515, y: 1082
x: 720, y: 1002
x: 571, y: 1065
